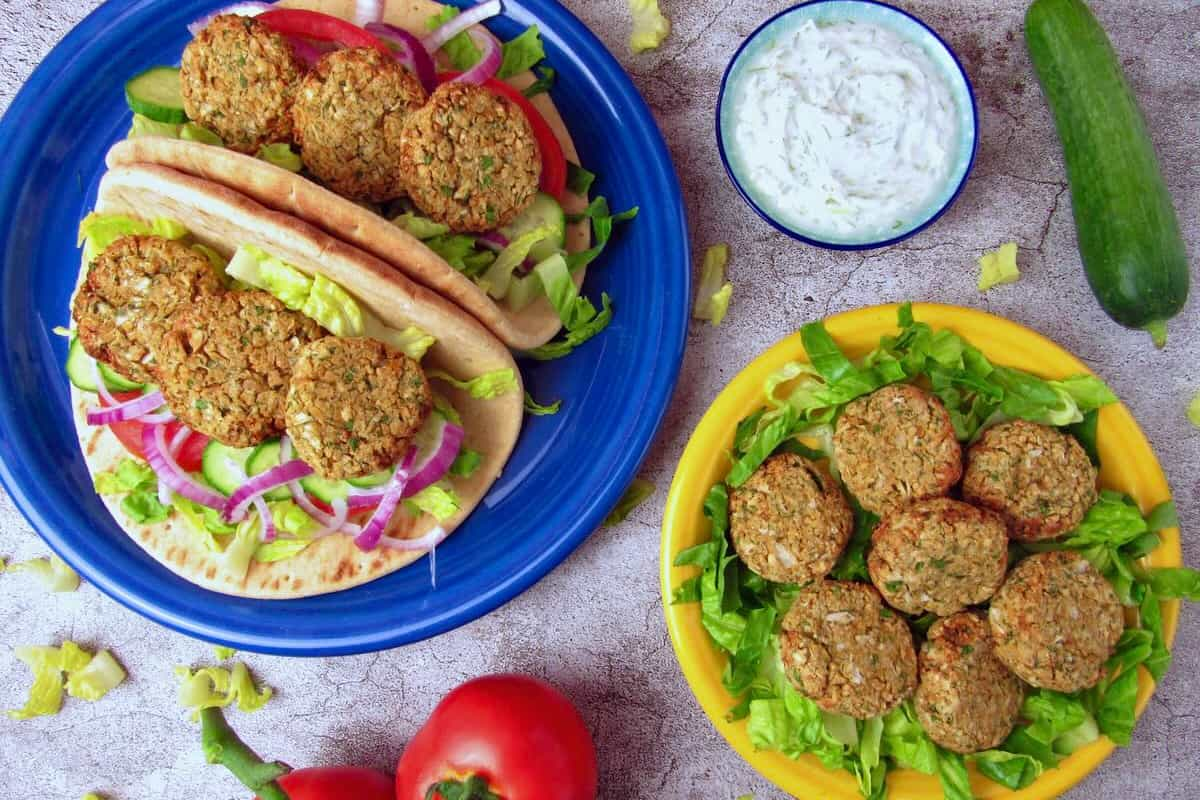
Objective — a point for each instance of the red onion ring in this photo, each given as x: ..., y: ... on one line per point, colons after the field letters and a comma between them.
x: 238, y: 504
x: 247, y: 9
x: 489, y: 62
x: 366, y: 11
x: 431, y: 470
x: 375, y: 527
x: 101, y: 387
x: 137, y: 408
x: 178, y: 439
x: 268, y: 523
x: 434, y: 41
x: 409, y: 51
x: 427, y: 542
x: 169, y: 472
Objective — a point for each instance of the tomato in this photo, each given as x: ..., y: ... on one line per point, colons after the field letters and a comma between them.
x: 130, y: 435
x: 517, y: 733
x: 321, y: 27
x: 336, y: 783
x: 554, y: 163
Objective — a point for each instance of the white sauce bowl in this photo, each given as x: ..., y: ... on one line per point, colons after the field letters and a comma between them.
x: 847, y: 124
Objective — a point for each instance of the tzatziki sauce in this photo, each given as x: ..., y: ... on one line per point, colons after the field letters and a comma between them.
x: 843, y: 129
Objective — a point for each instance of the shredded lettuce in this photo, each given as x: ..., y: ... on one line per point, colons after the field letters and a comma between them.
x: 137, y: 481
x: 281, y: 155
x: 192, y: 132
x: 217, y: 687
x: 466, y: 462
x: 521, y: 53
x: 576, y: 337
x: 603, y: 221
x: 280, y: 550
x: 144, y: 126
x: 481, y: 387
x: 498, y: 278
x: 1193, y: 410
x: 562, y: 292
x: 1011, y: 770
x: 438, y: 500
x: 579, y: 180
x: 322, y: 300
x: 998, y: 267
x: 84, y: 680
x: 638, y: 492
x: 714, y: 293
x: 421, y: 227
x: 538, y: 410
x: 543, y: 84
x: 53, y: 572
x: 650, y: 27
x: 97, y: 678
x: 223, y: 653
x: 242, y: 547
x: 97, y: 231
x: 461, y: 51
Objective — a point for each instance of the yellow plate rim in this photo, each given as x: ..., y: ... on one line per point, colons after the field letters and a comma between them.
x: 1004, y: 342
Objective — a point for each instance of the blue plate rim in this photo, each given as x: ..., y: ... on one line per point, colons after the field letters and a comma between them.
x: 17, y: 128
x: 784, y: 229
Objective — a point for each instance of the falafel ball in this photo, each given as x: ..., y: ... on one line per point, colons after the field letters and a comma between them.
x: 967, y: 699
x: 239, y: 80
x: 348, y: 117
x: 226, y: 364
x: 469, y: 158
x: 130, y: 297
x: 846, y: 651
x: 1056, y: 620
x: 1036, y: 477
x: 897, y: 445
x: 790, y: 520
x: 354, y: 406
x: 938, y: 555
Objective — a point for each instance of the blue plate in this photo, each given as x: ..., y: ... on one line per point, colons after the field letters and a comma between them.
x: 567, y: 471
x: 910, y: 29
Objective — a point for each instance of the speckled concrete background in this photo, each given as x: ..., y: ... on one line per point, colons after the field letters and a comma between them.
x: 615, y: 659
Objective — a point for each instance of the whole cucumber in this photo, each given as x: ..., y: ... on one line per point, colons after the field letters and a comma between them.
x: 1128, y: 233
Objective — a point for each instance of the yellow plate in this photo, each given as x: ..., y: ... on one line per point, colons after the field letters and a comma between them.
x: 1128, y: 463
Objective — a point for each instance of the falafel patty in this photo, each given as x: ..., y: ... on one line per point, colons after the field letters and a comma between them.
x: 967, y: 699
x: 1036, y: 477
x: 469, y: 158
x: 225, y: 365
x: 240, y: 79
x: 1056, y: 620
x: 896, y: 445
x: 354, y: 406
x: 790, y: 520
x: 130, y: 297
x: 938, y: 555
x: 348, y: 116
x: 846, y: 651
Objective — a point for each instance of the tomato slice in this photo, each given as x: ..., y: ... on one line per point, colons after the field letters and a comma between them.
x: 129, y: 434
x: 554, y: 163
x: 321, y: 27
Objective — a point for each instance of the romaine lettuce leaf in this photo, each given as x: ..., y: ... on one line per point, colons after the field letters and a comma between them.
x: 521, y: 53
x: 638, y: 492
x: 952, y: 772
x: 281, y: 155
x: 97, y: 678
x: 574, y: 338
x: 1011, y: 770
x: 438, y: 500
x: 481, y: 387
x: 54, y: 573
x: 714, y: 292
x: 87, y: 677
x: 217, y: 687
x: 466, y: 462
x: 998, y: 267
x: 650, y: 26
x: 422, y: 227
x: 538, y: 410
x: 97, y: 231
x: 461, y: 51
x: 544, y: 83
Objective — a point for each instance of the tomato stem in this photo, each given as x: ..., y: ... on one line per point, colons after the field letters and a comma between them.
x: 222, y: 746
x: 473, y: 787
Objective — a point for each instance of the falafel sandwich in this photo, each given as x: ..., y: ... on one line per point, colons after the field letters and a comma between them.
x: 267, y: 410
x: 419, y: 138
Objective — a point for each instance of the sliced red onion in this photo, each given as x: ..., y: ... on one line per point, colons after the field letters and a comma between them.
x: 492, y: 240
x: 238, y: 504
x: 306, y: 51
x: 136, y: 408
x: 367, y: 11
x: 178, y: 439
x: 409, y: 51
x: 240, y: 9
x: 434, y: 41
x: 157, y: 419
x: 489, y: 62
x: 154, y: 444
x: 268, y: 522
x: 373, y: 530
x: 427, y: 542
x: 101, y: 388
x: 430, y: 471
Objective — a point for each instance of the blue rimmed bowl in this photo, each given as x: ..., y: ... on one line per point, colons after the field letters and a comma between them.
x: 911, y: 30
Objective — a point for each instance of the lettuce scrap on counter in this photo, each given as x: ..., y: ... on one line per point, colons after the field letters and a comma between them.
x: 650, y: 26
x: 741, y: 612
x: 88, y: 677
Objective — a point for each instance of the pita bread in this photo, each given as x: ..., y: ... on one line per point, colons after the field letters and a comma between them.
x: 223, y: 219
x: 285, y: 191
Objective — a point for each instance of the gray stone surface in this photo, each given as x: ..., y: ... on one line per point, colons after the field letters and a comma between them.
x: 595, y: 625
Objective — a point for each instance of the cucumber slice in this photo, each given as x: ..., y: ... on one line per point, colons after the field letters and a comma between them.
x: 224, y: 467
x: 372, y: 480
x: 261, y: 459
x: 544, y: 211
x: 325, y: 490
x: 79, y: 372
x: 157, y: 94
